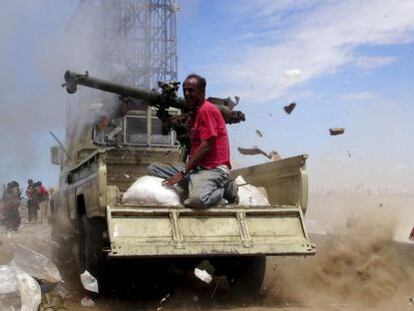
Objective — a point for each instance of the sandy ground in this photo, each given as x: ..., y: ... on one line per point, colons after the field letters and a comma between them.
x: 359, y: 265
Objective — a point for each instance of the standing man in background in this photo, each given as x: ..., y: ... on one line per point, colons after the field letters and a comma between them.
x: 36, y: 199
x: 43, y: 203
x: 29, y: 194
x: 11, y: 199
x: 206, y: 174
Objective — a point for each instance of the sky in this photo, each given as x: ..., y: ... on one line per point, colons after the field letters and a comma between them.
x: 346, y: 64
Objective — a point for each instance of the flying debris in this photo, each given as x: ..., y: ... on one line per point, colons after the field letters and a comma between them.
x: 252, y: 151
x: 336, y: 131
x: 289, y: 108
x: 228, y: 102
x: 237, y: 99
x: 203, y: 275
x: 273, y: 155
x: 165, y: 298
x: 260, y: 134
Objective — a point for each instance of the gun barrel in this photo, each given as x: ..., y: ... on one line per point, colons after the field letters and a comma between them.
x: 74, y: 78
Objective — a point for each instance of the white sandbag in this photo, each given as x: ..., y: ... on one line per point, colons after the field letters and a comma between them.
x: 250, y: 195
x: 18, y: 290
x: 149, y: 190
x: 29, y: 291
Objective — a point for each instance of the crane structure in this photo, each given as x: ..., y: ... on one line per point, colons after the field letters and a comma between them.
x: 132, y: 42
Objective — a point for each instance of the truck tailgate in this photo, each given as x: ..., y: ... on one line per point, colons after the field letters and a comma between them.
x: 178, y: 231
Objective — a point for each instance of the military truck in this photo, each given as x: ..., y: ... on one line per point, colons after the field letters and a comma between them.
x: 91, y: 224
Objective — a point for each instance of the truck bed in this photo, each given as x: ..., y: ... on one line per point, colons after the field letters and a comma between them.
x: 223, y: 230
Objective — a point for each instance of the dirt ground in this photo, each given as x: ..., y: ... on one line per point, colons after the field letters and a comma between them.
x: 364, y: 262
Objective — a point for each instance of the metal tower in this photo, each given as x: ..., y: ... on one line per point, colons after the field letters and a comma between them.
x: 127, y: 41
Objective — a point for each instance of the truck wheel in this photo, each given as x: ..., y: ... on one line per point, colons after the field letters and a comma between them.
x: 247, y: 274
x: 91, y: 245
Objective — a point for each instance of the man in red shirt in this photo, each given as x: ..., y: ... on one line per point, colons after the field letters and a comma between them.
x: 207, y: 171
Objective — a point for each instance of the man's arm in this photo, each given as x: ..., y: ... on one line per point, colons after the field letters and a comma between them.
x: 199, y: 154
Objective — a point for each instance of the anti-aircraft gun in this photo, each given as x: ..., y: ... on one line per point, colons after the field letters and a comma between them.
x: 162, y: 99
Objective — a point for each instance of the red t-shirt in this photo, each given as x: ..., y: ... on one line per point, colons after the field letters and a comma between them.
x: 207, y: 122
x: 42, y: 190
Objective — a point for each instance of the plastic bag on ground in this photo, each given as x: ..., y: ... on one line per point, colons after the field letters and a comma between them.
x: 87, y: 301
x: 35, y: 264
x: 89, y: 282
x: 30, y: 291
x: 18, y: 290
x: 250, y: 195
x: 9, y: 290
x: 149, y: 190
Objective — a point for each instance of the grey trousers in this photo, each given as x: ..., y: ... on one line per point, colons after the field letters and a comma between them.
x: 205, y: 187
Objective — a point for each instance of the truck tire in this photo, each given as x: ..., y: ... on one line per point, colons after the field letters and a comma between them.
x: 91, y: 245
x: 246, y: 275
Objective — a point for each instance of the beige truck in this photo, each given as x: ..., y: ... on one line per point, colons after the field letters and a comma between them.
x: 91, y: 224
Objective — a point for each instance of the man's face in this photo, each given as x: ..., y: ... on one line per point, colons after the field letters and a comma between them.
x: 193, y: 94
x: 103, y: 122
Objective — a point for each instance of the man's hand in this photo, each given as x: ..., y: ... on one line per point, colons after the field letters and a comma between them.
x: 178, y: 120
x: 169, y: 182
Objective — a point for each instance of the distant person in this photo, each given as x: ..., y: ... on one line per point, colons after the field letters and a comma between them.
x: 103, y: 128
x: 36, y: 199
x: 44, y: 200
x: 29, y: 195
x: 11, y: 199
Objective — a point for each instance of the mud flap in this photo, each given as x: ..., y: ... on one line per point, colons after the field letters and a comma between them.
x: 174, y: 231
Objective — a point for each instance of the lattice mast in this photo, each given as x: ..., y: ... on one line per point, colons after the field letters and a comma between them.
x: 127, y: 41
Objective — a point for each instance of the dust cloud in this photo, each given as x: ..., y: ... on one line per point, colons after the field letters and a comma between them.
x: 35, y: 50
x: 31, y: 99
x: 358, y: 265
